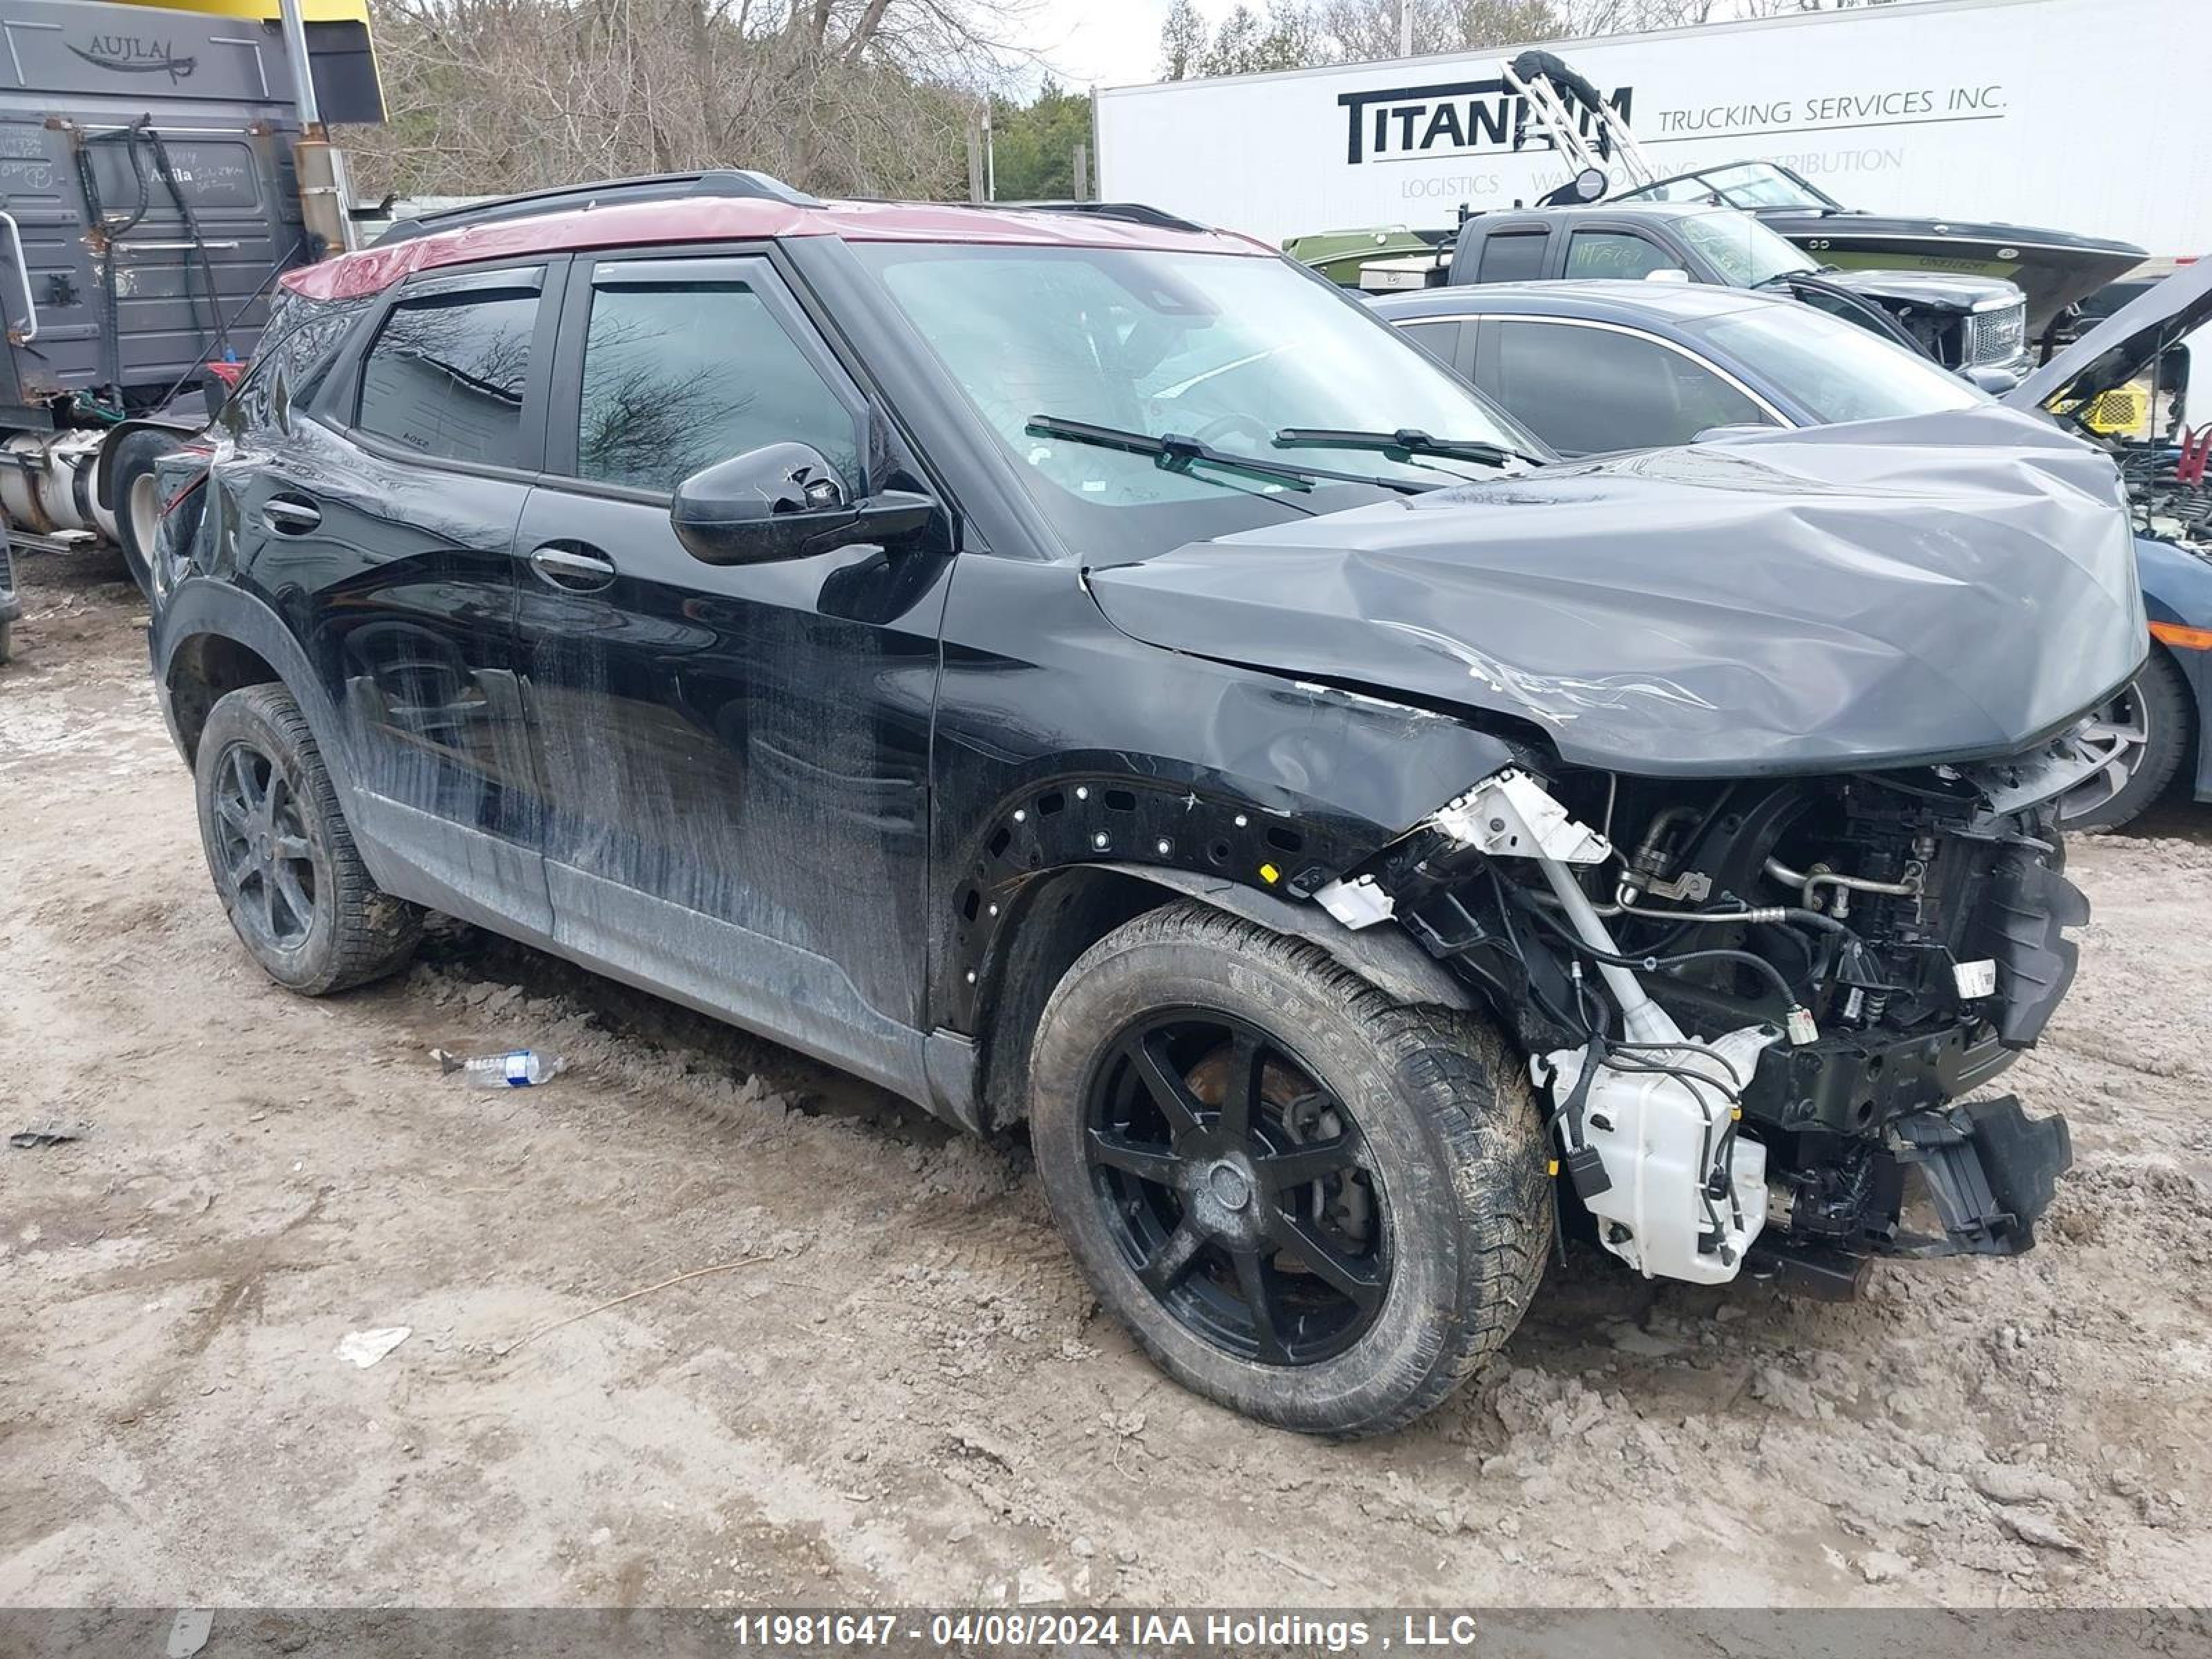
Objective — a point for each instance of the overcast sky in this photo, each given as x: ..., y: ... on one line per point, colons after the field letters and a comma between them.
x: 1106, y: 43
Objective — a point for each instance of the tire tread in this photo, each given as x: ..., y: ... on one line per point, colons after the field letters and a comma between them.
x: 375, y: 933
x: 1477, y: 1098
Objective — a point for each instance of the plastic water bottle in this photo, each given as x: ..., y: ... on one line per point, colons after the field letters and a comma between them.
x: 518, y: 1068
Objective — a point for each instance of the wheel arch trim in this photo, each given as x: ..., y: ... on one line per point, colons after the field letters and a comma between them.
x: 202, y: 608
x: 1386, y: 957
x: 980, y: 1081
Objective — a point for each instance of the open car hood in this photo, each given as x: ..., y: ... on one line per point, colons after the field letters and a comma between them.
x: 2124, y: 345
x: 1941, y: 587
x: 1934, y: 290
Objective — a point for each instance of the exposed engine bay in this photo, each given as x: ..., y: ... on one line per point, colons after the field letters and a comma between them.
x: 1752, y: 1006
x: 2168, y: 494
x: 2123, y: 386
x: 1764, y: 875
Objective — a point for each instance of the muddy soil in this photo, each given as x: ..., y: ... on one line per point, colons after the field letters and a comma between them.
x: 896, y: 1386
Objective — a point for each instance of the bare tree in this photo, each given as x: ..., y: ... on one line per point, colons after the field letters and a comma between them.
x: 1183, y: 41
x: 1360, y: 30
x: 1631, y: 16
x: 861, y: 97
x: 1299, y: 32
x: 1784, y: 7
x: 1248, y: 43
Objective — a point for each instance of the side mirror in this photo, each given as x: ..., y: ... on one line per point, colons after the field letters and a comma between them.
x: 1993, y: 381
x: 784, y: 501
x: 1667, y: 274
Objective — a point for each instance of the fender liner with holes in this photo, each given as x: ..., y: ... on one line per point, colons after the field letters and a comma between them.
x: 1384, y: 955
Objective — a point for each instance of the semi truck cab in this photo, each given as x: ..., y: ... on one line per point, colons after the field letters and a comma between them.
x: 152, y: 160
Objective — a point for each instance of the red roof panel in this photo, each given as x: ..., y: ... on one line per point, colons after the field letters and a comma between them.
x: 733, y: 219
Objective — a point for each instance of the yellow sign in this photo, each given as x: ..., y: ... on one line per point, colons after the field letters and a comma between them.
x: 315, y: 11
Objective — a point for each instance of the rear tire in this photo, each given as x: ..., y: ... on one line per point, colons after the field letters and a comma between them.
x: 283, y: 861
x: 1387, y: 1283
x: 2152, y: 734
x: 137, y: 494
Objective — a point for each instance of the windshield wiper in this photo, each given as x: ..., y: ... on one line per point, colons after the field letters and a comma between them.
x: 1178, y: 454
x: 1405, y: 441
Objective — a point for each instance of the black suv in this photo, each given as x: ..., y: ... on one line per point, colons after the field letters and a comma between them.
x: 1068, y: 665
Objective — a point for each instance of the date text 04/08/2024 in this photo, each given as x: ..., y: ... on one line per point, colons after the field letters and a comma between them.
x: 1015, y: 1628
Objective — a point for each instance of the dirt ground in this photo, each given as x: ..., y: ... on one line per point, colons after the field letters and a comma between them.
x: 903, y: 1393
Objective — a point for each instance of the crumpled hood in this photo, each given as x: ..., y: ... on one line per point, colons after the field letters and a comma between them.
x: 1948, y: 587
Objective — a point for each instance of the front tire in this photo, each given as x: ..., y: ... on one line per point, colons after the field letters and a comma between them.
x: 1322, y: 1207
x: 2146, y: 727
x: 283, y: 861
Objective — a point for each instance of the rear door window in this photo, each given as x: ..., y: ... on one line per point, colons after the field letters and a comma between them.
x: 448, y: 373
x: 1588, y: 390
x: 1515, y: 256
x: 294, y: 353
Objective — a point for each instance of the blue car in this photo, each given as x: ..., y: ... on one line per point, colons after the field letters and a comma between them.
x: 1596, y: 367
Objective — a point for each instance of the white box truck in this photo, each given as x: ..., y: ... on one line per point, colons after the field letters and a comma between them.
x: 2089, y: 116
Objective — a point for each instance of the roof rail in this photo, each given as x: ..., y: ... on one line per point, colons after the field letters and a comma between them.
x: 1135, y: 212
x: 648, y: 187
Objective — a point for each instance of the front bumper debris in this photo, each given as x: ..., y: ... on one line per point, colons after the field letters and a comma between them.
x: 1991, y: 1171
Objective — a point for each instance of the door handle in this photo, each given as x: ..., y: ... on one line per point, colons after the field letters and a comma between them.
x: 287, y: 515
x: 573, y: 572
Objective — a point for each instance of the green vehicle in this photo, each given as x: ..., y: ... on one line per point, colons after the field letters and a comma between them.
x: 1339, y: 255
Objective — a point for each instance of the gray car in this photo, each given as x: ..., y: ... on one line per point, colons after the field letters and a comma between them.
x: 1597, y: 366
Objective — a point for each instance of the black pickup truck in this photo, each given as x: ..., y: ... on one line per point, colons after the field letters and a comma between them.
x: 1974, y: 323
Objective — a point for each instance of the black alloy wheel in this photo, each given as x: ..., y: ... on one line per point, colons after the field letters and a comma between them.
x: 1303, y: 1198
x: 265, y: 863
x: 283, y: 861
x: 1233, y: 1184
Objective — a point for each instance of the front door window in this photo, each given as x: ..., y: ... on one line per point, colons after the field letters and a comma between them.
x: 681, y: 373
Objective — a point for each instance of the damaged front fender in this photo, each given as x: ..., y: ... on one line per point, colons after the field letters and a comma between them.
x: 1096, y: 749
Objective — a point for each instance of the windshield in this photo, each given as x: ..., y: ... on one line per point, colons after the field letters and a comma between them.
x: 1742, y: 184
x: 1838, y: 370
x: 1223, y: 349
x: 1763, y: 185
x: 1747, y: 252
